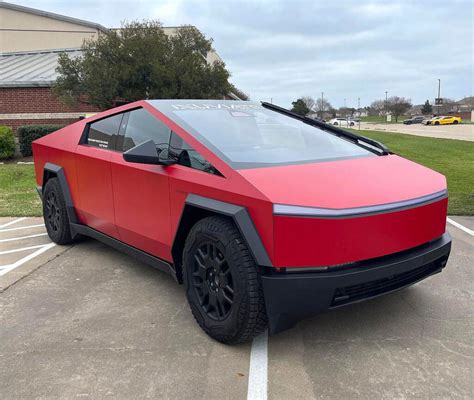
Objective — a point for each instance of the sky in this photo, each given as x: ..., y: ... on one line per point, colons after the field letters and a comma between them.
x: 348, y: 49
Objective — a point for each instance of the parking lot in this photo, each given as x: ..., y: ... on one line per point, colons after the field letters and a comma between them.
x: 461, y: 132
x: 87, y: 321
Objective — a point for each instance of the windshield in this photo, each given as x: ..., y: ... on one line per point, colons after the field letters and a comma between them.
x: 250, y: 136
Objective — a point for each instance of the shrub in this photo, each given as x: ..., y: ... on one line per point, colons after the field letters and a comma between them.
x: 7, y: 143
x: 26, y: 134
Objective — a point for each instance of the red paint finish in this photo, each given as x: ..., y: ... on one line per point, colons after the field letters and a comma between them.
x: 141, y: 205
x: 94, y: 184
x: 325, y: 242
x: 229, y: 189
x: 347, y: 183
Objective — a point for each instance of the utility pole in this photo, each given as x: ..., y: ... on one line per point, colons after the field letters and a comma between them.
x: 358, y: 110
x: 386, y: 104
x: 439, y: 91
x: 322, y: 104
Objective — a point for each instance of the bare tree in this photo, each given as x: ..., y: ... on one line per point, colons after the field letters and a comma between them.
x: 309, y: 101
x: 321, y: 106
x: 378, y: 106
x: 345, y: 111
x: 398, y: 106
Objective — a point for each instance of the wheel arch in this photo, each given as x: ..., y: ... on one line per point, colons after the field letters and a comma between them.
x: 199, y: 207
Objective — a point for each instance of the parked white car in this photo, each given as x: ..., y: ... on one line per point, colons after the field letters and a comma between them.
x: 342, y: 122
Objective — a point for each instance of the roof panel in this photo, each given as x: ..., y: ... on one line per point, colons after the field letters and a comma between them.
x: 36, y: 68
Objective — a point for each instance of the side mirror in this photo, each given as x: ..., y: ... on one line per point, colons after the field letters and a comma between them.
x: 164, y: 157
x: 144, y: 153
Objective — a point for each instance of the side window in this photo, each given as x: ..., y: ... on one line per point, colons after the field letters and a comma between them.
x: 185, y: 155
x: 103, y: 133
x: 143, y: 126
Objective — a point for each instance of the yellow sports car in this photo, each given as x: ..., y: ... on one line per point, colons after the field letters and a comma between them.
x: 445, y: 120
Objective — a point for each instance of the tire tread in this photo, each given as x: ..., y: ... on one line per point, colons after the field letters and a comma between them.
x: 252, y: 318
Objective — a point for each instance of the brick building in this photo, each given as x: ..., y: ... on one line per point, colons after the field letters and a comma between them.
x: 25, y: 90
x: 30, y: 43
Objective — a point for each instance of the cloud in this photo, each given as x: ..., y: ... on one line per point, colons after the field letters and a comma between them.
x: 348, y: 49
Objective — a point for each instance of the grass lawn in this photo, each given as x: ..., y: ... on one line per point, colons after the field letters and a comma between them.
x: 18, y: 195
x: 452, y: 158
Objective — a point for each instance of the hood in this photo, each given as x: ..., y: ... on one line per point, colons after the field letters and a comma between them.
x: 346, y: 183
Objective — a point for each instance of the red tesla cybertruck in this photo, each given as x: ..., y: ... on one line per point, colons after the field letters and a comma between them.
x: 267, y: 217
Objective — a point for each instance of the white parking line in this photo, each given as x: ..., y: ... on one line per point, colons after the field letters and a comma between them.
x: 12, y: 222
x: 258, y: 371
x: 22, y: 237
x: 462, y: 227
x: 7, y: 268
x: 20, y: 227
x: 21, y: 249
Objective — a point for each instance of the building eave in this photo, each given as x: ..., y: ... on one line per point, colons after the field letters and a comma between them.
x: 32, y: 84
x: 47, y: 14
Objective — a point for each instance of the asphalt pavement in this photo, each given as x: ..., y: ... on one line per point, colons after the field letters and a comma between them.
x: 460, y: 131
x: 86, y: 321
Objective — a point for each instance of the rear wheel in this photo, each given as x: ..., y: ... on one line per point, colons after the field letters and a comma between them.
x: 455, y: 122
x: 436, y: 123
x: 55, y: 215
x: 222, y: 282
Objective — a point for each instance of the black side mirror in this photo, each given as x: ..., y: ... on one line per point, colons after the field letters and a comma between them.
x: 164, y: 157
x: 144, y: 153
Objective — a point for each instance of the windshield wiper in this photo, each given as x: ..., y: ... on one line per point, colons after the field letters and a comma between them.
x: 357, y: 139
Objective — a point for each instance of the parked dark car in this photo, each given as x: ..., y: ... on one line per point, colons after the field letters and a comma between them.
x: 414, y: 120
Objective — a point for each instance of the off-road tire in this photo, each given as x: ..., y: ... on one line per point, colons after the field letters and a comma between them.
x: 246, y: 317
x: 55, y: 215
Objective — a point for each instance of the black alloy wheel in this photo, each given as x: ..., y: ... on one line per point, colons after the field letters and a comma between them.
x: 222, y: 281
x: 213, y: 281
x: 52, y: 215
x: 55, y: 215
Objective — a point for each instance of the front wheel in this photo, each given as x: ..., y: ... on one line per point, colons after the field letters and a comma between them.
x: 455, y: 122
x: 436, y: 123
x: 222, y: 282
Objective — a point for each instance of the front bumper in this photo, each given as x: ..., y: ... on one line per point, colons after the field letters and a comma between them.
x: 292, y: 296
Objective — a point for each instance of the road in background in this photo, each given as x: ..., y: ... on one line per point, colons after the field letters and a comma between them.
x: 461, y: 132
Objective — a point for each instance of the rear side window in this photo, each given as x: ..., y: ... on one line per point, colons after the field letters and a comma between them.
x: 104, y: 133
x: 143, y: 126
x: 185, y: 155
